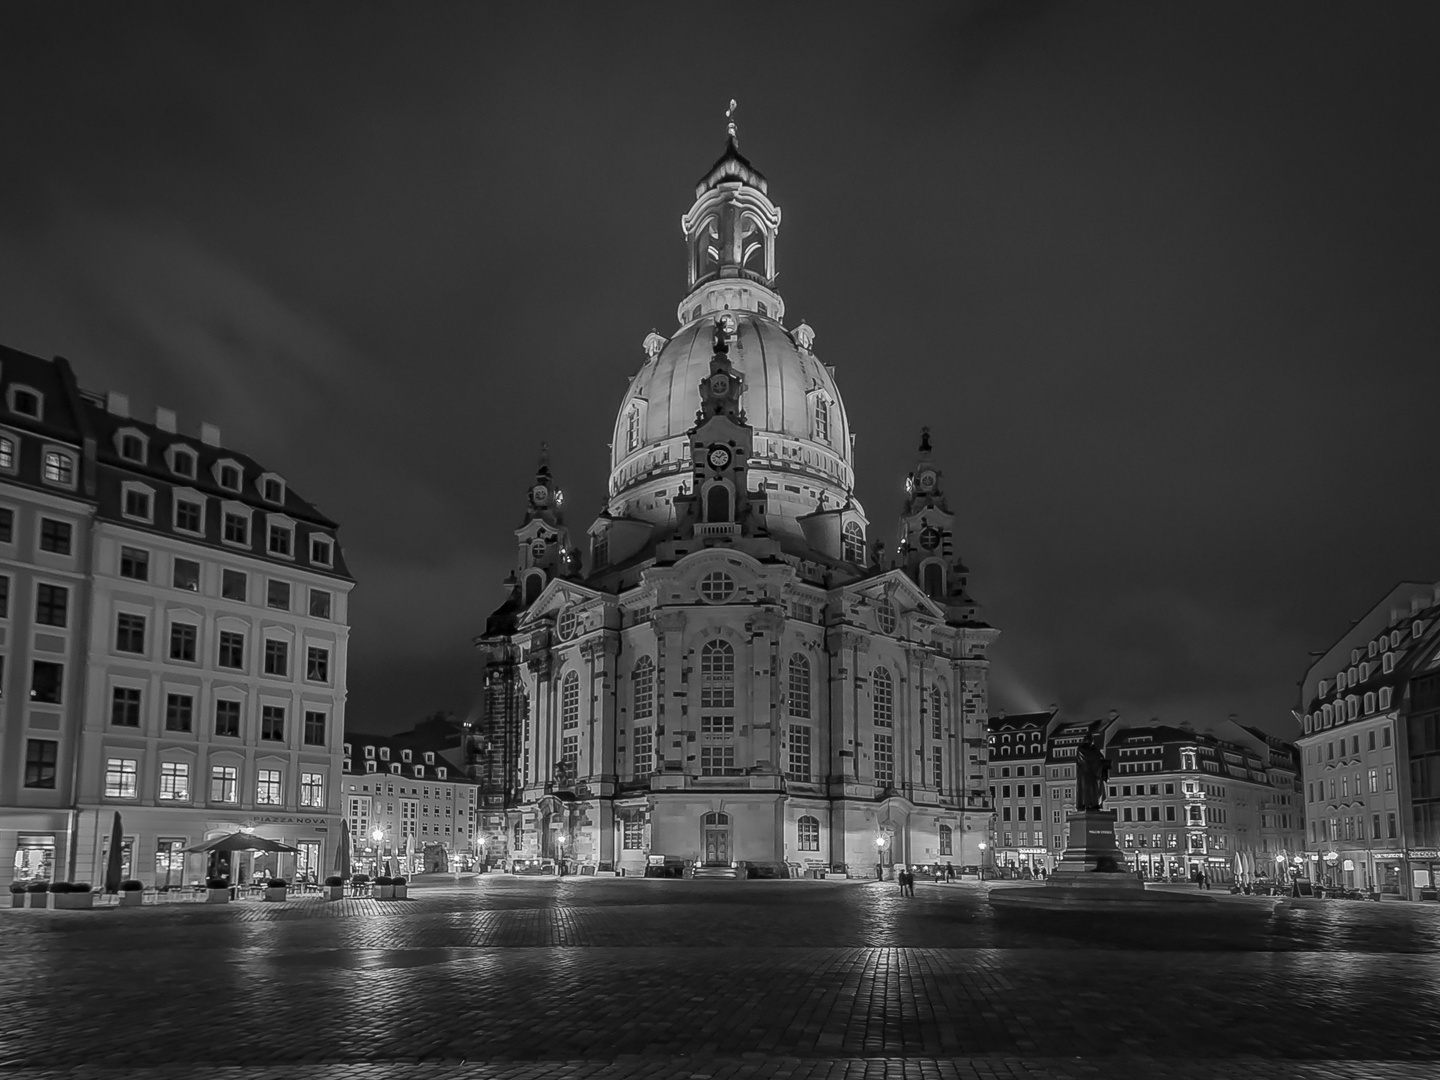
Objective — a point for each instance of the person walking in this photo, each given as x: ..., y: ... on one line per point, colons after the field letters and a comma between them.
x: 910, y: 882
x: 949, y: 871
x: 902, y: 877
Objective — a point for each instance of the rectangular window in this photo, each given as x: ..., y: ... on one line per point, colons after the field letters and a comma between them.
x: 135, y: 564
x: 122, y: 778
x: 237, y: 528
x: 799, y: 758
x: 129, y: 633
x: 40, y: 759
x: 277, y: 594
x: 233, y: 585
x: 55, y: 536
x: 46, y: 678
x: 277, y: 657
x: 137, y: 504
x: 272, y: 722
x: 642, y: 752
x: 320, y: 603
x: 189, y: 516
x: 634, y: 836
x: 7, y: 522
x: 227, y: 718
x: 182, y: 641
x: 179, y: 712
x: 185, y: 574
x: 717, y: 760
x: 321, y: 550
x: 312, y: 789
x: 232, y: 650
x: 125, y: 707
x: 884, y: 758
x: 314, y: 728
x: 280, y: 540
x: 224, y: 783
x: 52, y: 604
x: 317, y: 664
x: 1389, y: 778
x: 174, y: 781
x: 4, y: 597
x: 570, y: 750
x: 807, y: 833
x: 938, y: 769
x: 267, y: 787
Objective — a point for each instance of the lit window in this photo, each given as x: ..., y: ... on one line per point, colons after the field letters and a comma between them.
x: 7, y: 452
x: 174, y: 781
x: 122, y: 778
x: 267, y: 787
x: 59, y: 468
x: 312, y: 789
x: 807, y: 833
x: 946, y: 840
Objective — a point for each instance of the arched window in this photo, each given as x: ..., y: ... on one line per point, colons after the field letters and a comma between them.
x: 822, y: 418
x: 752, y: 245
x: 570, y: 700
x: 642, y: 681
x: 932, y: 580
x: 807, y: 831
x: 854, y: 543
x: 1352, y: 707
x: 707, y: 247
x: 800, y: 686
x: 882, y: 698
x: 1385, y: 697
x: 717, y: 668
x: 1329, y: 715
x: 937, y: 724
x: 717, y: 818
x: 717, y: 709
x: 534, y: 586
x: 632, y: 429
x: 946, y: 847
x: 717, y: 503
x: 1369, y: 702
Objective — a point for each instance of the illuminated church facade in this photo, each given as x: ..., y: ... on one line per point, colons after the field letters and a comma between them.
x: 724, y: 674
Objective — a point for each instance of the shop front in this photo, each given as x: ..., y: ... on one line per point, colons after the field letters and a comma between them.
x: 1390, y: 878
x: 1424, y: 873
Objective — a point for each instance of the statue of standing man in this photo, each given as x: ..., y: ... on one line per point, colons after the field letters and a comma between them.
x: 1091, y: 771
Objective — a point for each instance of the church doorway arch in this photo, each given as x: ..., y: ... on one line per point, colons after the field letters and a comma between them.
x: 717, y: 503
x: 717, y: 846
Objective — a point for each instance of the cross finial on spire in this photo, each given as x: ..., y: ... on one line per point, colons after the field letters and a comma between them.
x: 925, y: 440
x: 733, y: 131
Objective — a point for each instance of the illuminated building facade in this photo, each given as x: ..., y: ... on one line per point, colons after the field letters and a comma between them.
x: 730, y: 675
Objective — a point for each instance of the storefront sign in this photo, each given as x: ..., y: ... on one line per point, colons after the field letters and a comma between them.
x: 1388, y: 855
x: 1034, y: 851
x: 1424, y: 853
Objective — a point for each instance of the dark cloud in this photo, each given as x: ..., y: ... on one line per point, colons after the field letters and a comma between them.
x: 1162, y: 280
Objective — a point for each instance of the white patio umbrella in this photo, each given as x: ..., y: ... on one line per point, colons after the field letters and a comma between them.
x: 410, y: 853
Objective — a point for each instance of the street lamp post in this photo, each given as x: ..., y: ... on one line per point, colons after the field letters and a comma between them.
x: 560, y: 843
x: 982, y: 860
x: 880, y: 858
x: 378, y: 835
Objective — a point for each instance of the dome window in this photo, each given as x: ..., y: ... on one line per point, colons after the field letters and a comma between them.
x: 886, y: 618
x: 854, y: 543
x: 822, y: 418
x: 632, y: 429
x: 717, y: 587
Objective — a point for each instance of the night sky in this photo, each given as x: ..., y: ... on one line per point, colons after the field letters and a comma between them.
x: 1162, y: 279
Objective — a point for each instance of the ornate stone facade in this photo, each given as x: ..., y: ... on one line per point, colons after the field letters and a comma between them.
x: 734, y: 675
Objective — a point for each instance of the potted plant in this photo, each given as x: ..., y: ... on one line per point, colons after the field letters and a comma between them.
x: 17, y: 894
x: 334, y: 887
x: 358, y: 884
x: 275, y: 888
x: 383, y: 889
x: 400, y: 891
x: 217, y: 890
x: 132, y: 893
x: 72, y: 895
x: 39, y: 892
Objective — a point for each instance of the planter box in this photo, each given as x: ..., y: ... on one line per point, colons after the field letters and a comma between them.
x: 217, y: 896
x: 401, y: 892
x: 133, y: 898
x: 334, y: 892
x: 275, y: 895
x: 17, y: 899
x: 73, y: 901
x: 39, y: 899
x: 382, y: 892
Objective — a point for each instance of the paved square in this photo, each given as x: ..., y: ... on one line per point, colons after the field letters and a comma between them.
x: 501, y: 977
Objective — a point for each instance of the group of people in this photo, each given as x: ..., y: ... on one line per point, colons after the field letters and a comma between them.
x: 906, y: 877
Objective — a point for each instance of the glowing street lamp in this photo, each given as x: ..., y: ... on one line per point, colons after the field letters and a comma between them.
x: 377, y: 836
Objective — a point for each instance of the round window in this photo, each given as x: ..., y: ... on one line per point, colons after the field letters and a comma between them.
x: 717, y: 586
x: 537, y: 549
x: 885, y: 615
x: 565, y: 627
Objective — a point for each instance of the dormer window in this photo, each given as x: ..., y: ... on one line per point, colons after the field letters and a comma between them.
x: 322, y: 551
x: 395, y: 768
x: 1373, y: 648
x: 183, y: 461
x: 404, y: 755
x: 346, y: 748
x: 272, y: 488
x: 59, y: 468
x: 429, y: 757
x: 27, y: 402
x: 384, y: 753
x: 440, y: 772
x: 822, y: 418
x: 853, y: 543
x: 137, y: 502
x: 419, y: 771
x: 370, y: 751
x: 280, y: 539
x: 369, y: 765
x: 132, y: 446
x: 1387, y: 663
x: 228, y: 475
x: 7, y: 453
x: 632, y: 429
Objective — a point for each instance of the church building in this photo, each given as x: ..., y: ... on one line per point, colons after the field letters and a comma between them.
x: 726, y: 674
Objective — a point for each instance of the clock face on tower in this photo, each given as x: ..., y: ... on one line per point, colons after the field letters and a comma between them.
x: 719, y: 456
x: 719, y: 385
x: 927, y: 480
x: 539, y: 493
x: 929, y: 538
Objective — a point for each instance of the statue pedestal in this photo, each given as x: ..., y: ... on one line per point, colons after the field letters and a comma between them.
x: 1092, y: 857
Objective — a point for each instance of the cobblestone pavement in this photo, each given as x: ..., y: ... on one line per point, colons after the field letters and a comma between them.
x: 510, y: 978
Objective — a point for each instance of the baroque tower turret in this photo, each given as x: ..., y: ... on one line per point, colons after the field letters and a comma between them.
x: 736, y: 683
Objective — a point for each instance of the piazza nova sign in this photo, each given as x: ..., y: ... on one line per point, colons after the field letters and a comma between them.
x: 252, y: 820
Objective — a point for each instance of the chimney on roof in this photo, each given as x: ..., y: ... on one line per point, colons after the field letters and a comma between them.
x: 1114, y: 714
x: 117, y: 404
x: 209, y: 434
x: 1002, y: 714
x: 1396, y: 614
x: 1416, y: 603
x: 165, y: 419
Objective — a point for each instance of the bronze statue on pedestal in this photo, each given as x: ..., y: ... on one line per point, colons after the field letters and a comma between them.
x: 1091, y: 771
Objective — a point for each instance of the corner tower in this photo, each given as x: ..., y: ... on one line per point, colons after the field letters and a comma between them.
x: 542, y: 541
x: 927, y: 539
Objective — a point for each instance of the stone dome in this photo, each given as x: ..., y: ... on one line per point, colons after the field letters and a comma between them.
x: 802, y: 435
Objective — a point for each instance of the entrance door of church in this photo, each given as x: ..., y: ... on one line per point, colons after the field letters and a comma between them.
x: 717, y: 846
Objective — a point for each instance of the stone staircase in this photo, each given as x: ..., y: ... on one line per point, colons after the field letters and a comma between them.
x: 715, y: 872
